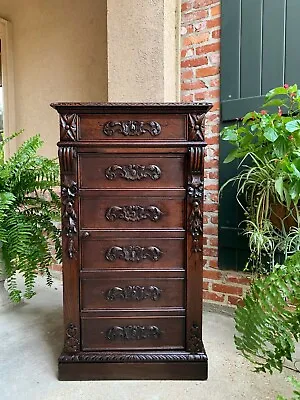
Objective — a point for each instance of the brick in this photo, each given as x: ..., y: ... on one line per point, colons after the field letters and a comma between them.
x: 208, y: 48
x: 211, y: 263
x: 214, y: 59
x: 56, y: 267
x: 208, y: 274
x: 216, y: 106
x: 213, y: 241
x: 194, y: 16
x: 186, y: 6
x: 194, y: 62
x: 212, y: 23
x: 208, y: 94
x: 187, y: 75
x: 210, y: 207
x: 211, y: 230
x: 214, y: 220
x: 192, y: 85
x: 207, y: 71
x: 212, y: 140
x: 219, y: 287
x: 209, y: 251
x: 204, y: 3
x: 216, y: 10
x: 234, y: 300
x: 211, y: 163
x: 212, y: 186
x: 205, y: 285
x: 243, y: 280
x: 195, y: 39
x: 213, y: 296
x: 216, y: 34
x: 213, y: 175
x: 187, y: 98
x: 215, y: 82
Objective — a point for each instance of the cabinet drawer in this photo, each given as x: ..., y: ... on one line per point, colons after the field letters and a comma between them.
x: 133, y: 293
x: 130, y: 127
x: 135, y: 252
x: 131, y: 213
x: 100, y: 172
x: 133, y: 333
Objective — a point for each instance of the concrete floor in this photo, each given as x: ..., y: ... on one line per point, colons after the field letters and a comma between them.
x: 31, y: 339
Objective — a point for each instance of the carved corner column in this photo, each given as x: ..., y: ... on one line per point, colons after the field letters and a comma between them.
x: 195, y: 194
x: 67, y: 155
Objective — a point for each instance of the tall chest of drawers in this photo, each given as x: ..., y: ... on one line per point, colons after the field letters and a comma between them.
x: 132, y: 210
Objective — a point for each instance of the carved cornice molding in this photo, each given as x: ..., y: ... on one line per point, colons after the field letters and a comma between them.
x: 133, y: 253
x: 68, y: 127
x: 68, y: 194
x: 133, y: 172
x: 121, y: 357
x: 133, y: 332
x: 67, y: 157
x: 196, y: 127
x: 195, y: 344
x: 137, y: 293
x: 131, y: 128
x: 133, y: 213
x: 72, y: 344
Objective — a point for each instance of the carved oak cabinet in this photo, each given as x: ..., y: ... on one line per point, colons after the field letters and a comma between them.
x: 132, y: 202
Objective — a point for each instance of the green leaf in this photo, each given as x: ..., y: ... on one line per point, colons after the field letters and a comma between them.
x: 280, y: 147
x: 229, y: 134
x: 274, y: 92
x: 270, y: 134
x: 279, y: 187
x: 293, y: 126
x: 248, y: 116
x: 231, y: 156
x: 274, y: 103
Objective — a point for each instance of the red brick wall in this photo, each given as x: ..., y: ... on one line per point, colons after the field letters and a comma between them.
x: 200, y: 81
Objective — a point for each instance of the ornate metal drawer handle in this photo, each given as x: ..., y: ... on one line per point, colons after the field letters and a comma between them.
x: 133, y: 253
x: 131, y: 128
x: 133, y: 172
x: 133, y: 332
x: 137, y: 293
x: 133, y: 213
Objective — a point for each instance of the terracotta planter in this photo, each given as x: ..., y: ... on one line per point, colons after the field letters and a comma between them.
x: 281, y: 215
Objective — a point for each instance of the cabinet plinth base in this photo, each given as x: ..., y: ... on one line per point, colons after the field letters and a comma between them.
x: 133, y: 365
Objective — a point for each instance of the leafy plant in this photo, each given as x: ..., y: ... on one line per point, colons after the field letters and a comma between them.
x: 29, y: 208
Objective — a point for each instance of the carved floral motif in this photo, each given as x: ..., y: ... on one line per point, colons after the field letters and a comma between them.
x: 72, y: 344
x: 131, y: 128
x: 68, y: 127
x: 133, y: 253
x: 133, y: 172
x: 137, y: 293
x: 68, y: 194
x: 133, y: 332
x: 196, y: 126
x: 195, y: 339
x: 133, y: 213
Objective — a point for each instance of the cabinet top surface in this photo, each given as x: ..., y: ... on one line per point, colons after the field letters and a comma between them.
x: 132, y: 107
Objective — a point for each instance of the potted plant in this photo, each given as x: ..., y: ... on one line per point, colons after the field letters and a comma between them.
x: 29, y: 207
x: 268, y: 184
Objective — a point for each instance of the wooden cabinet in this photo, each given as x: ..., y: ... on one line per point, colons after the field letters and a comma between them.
x: 132, y: 210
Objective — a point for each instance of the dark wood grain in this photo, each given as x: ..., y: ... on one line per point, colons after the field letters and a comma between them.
x: 132, y: 214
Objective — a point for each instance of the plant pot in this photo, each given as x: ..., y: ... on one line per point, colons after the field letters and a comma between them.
x: 281, y: 216
x: 4, y: 298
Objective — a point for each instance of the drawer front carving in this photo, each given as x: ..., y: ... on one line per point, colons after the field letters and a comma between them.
x: 134, y: 293
x: 131, y: 213
x: 124, y: 172
x: 130, y: 253
x: 133, y: 333
x: 128, y: 127
x: 133, y: 253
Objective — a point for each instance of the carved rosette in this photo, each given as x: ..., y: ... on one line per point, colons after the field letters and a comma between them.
x: 196, y: 125
x: 68, y: 127
x: 67, y: 157
x: 195, y: 193
x: 133, y: 332
x: 195, y: 339
x: 133, y: 172
x: 133, y: 213
x: 133, y: 253
x: 134, y: 292
x: 131, y: 128
x: 72, y: 344
x: 68, y: 194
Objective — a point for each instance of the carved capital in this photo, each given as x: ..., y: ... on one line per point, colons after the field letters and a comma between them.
x: 133, y: 332
x: 134, y: 292
x: 68, y: 127
x: 133, y: 213
x: 131, y: 128
x: 72, y: 344
x: 196, y: 127
x: 67, y: 159
x: 133, y: 253
x: 68, y: 194
x: 133, y: 172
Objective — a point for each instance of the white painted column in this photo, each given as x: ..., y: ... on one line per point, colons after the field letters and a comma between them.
x: 143, y: 49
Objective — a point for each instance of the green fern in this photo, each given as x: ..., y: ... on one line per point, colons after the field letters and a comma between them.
x: 268, y: 324
x: 29, y: 208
